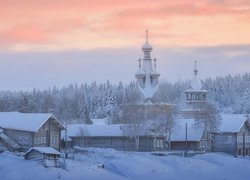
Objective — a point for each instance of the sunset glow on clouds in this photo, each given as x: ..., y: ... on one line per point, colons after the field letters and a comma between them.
x: 56, y: 42
x: 90, y: 24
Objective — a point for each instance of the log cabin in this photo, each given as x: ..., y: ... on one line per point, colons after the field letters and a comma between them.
x: 21, y: 131
x: 233, y: 135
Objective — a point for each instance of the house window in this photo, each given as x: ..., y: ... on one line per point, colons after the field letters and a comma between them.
x: 229, y: 139
x: 40, y: 140
x: 35, y: 140
x: 239, y: 139
x: 247, y: 139
x: 54, y: 139
x: 44, y: 139
x: 203, y: 144
x: 158, y: 143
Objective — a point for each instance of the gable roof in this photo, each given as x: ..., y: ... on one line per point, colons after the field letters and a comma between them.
x: 195, y: 85
x: 194, y: 133
x: 25, y: 121
x: 44, y: 150
x: 76, y: 130
x: 232, y: 122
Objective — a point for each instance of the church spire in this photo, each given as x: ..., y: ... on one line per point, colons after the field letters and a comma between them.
x: 147, y: 76
x: 195, y: 68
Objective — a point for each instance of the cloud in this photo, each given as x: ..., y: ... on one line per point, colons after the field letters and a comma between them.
x: 25, y: 70
x: 57, y: 24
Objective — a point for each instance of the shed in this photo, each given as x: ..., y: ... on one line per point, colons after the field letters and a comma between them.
x: 47, y: 155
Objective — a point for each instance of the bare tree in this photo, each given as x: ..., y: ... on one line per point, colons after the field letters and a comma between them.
x: 83, y: 136
x: 163, y: 123
x: 133, y: 118
x: 209, y: 119
x: 147, y: 119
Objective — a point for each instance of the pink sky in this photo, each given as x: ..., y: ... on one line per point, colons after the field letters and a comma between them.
x: 57, y: 42
x: 90, y: 24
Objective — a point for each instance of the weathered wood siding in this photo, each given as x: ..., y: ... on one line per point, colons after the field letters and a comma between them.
x: 119, y: 143
x: 146, y: 144
x: 48, y: 135
x: 181, y: 145
x: 23, y: 138
x: 225, y: 142
x: 243, y: 134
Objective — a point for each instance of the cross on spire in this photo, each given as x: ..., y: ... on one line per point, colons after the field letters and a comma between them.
x: 195, y: 68
x: 139, y: 60
x: 146, y: 35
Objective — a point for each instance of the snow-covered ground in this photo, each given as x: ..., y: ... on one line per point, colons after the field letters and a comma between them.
x: 129, y: 165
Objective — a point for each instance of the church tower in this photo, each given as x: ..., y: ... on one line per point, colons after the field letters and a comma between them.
x: 196, y: 96
x: 147, y: 75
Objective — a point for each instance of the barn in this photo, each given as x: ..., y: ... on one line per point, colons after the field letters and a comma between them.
x: 110, y: 136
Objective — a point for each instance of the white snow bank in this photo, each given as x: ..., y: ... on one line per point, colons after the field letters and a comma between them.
x: 129, y: 165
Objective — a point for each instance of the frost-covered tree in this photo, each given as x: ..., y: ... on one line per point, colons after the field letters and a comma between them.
x: 209, y: 119
x: 140, y: 120
x: 230, y: 93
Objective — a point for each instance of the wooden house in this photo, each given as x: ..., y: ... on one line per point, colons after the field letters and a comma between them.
x: 188, y: 138
x: 47, y: 155
x: 110, y: 136
x: 21, y: 131
x: 233, y: 135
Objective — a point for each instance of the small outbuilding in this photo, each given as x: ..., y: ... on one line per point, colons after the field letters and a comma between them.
x: 47, y: 155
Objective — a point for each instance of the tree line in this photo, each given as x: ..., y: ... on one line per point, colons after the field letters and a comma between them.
x: 79, y: 103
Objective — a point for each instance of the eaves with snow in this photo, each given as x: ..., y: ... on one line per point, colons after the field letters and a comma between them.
x: 31, y: 122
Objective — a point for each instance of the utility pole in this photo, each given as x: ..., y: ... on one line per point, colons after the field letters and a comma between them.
x: 66, y: 141
x: 243, y: 144
x: 186, y: 143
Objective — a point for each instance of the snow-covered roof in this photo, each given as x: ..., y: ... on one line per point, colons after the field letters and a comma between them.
x: 44, y: 150
x: 195, y: 83
x: 148, y: 91
x: 140, y: 72
x: 75, y: 130
x: 194, y: 133
x: 99, y: 121
x: 231, y: 122
x: 24, y: 121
